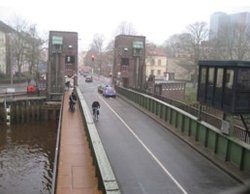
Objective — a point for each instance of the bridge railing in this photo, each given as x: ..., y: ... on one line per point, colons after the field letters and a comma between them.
x: 54, y: 179
x: 106, y: 178
x: 228, y: 149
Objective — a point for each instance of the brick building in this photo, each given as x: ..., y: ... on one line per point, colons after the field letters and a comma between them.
x: 129, y: 61
x: 63, y: 60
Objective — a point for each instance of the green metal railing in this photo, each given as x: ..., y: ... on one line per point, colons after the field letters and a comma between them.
x: 227, y: 148
x: 106, y: 178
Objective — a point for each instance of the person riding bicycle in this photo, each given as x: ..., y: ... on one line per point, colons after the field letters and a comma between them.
x: 95, y: 106
x: 72, y: 101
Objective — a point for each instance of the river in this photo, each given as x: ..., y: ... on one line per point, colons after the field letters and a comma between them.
x: 27, y: 158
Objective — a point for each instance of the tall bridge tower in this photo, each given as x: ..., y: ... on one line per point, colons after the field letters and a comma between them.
x: 62, y: 61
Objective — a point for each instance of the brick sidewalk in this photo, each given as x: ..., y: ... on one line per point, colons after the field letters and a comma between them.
x: 76, y: 173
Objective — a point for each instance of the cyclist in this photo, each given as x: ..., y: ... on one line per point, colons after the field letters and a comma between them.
x: 95, y: 106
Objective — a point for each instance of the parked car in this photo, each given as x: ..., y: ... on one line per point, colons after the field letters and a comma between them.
x: 88, y: 78
x: 31, y: 89
x: 109, y: 91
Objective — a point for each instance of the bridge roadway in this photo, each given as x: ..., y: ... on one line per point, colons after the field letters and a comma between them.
x: 76, y: 172
x: 146, y: 157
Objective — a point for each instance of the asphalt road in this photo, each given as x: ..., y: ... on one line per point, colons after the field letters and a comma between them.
x: 146, y: 157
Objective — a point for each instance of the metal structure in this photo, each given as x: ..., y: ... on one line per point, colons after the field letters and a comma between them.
x: 225, y: 85
x: 63, y: 57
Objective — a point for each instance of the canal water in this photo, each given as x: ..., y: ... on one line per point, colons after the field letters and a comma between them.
x: 27, y: 158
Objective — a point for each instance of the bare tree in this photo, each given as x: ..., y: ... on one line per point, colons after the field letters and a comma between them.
x: 19, y: 43
x: 27, y: 46
x: 97, y: 49
x: 33, y: 49
x: 179, y: 45
x: 97, y: 43
x: 198, y: 33
x: 126, y: 28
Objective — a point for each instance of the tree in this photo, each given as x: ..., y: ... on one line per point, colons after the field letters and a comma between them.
x: 198, y: 33
x: 126, y: 28
x: 27, y: 45
x: 97, y: 43
x: 96, y: 48
x: 34, y: 46
x: 18, y: 42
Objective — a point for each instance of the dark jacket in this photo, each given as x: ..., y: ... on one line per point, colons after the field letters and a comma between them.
x: 96, y: 104
x: 72, y: 98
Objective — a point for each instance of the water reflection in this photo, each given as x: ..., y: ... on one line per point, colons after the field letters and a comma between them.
x: 26, y: 158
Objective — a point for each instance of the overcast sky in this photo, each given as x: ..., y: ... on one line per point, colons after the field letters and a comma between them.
x: 155, y: 19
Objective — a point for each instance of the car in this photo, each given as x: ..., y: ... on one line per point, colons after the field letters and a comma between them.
x: 88, y: 78
x: 84, y: 74
x: 101, y: 87
x: 109, y: 91
x: 31, y: 89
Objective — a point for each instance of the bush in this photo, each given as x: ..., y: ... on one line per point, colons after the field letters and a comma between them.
x: 190, y: 94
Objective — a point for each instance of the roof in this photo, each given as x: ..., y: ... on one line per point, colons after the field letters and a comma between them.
x: 155, y: 52
x: 228, y: 63
x: 5, y: 28
x: 169, y: 82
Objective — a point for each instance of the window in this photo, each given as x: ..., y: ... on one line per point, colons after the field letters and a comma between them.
x: 228, y: 94
x: 158, y: 72
x: 203, y: 75
x: 211, y: 76
x: 159, y: 62
x: 243, y: 81
x: 217, y: 101
x: 152, y: 72
x: 219, y: 79
x: 210, y: 85
x: 152, y: 62
x: 202, y: 87
x: 125, y: 61
x: 137, y: 52
x: 229, y: 78
x: 70, y: 59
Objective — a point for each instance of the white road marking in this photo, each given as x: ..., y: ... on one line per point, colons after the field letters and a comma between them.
x: 148, y: 150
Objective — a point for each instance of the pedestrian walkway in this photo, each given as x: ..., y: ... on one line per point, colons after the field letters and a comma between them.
x: 76, y: 172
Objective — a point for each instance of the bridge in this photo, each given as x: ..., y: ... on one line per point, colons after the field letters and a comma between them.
x: 142, y: 145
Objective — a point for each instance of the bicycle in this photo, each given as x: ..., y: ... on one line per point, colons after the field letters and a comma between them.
x: 96, y: 113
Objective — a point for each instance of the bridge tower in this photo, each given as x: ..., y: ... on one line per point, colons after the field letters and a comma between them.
x: 62, y: 61
x: 129, y: 61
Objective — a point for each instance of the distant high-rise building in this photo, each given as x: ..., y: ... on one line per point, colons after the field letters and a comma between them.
x: 221, y: 22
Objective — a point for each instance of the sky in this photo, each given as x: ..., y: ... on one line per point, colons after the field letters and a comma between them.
x: 155, y: 19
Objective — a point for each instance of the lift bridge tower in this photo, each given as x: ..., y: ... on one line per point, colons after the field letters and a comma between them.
x: 62, y: 62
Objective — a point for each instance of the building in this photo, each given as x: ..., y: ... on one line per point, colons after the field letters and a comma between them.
x: 156, y: 63
x: 63, y: 60
x: 129, y: 61
x: 219, y: 22
x: 6, y: 32
x: 171, y: 89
